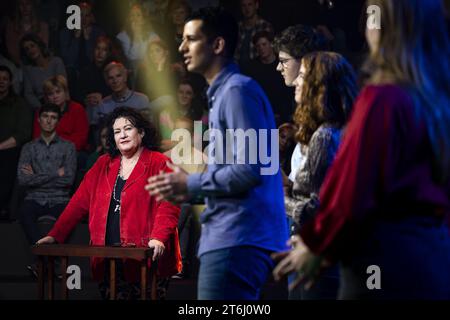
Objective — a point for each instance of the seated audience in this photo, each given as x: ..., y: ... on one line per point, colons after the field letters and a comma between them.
x: 47, y: 170
x: 250, y: 24
x: 24, y: 21
x: 92, y: 86
x: 39, y: 66
x: 73, y: 124
x: 155, y: 77
x: 136, y: 36
x: 76, y: 46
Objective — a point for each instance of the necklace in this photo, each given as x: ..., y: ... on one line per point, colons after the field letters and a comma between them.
x: 118, y: 201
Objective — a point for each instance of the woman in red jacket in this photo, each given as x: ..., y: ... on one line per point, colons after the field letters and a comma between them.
x: 120, y: 211
x: 386, y: 198
x: 73, y: 125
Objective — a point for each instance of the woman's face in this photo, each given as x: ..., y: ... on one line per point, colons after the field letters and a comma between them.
x: 5, y: 82
x: 136, y: 17
x: 101, y: 52
x: 179, y: 15
x: 32, y: 50
x: 157, y: 54
x: 298, y: 83
x: 185, y: 95
x: 25, y: 8
x: 57, y: 96
x: 126, y: 135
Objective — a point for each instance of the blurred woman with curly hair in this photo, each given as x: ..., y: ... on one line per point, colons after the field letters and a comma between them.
x: 324, y: 91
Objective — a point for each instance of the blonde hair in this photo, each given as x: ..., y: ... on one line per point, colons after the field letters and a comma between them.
x: 413, y: 51
x: 57, y: 81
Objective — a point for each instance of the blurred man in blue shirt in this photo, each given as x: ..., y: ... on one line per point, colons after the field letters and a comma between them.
x: 244, y: 220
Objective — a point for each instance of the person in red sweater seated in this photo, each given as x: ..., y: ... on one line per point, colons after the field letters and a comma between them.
x: 121, y: 212
x: 74, y: 125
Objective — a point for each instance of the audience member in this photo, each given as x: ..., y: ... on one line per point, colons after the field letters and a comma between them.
x: 116, y: 76
x: 136, y: 36
x: 15, y: 130
x: 76, y: 47
x: 47, y: 169
x: 264, y: 70
x: 250, y: 24
x: 39, y: 66
x: 188, y: 105
x: 17, y: 75
x: 155, y: 77
x: 73, y: 124
x: 192, y: 160
x: 24, y: 21
x: 92, y: 86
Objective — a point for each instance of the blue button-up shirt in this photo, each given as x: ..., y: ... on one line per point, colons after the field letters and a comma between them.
x: 244, y: 205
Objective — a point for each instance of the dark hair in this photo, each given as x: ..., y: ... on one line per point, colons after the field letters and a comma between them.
x: 196, y: 110
x: 262, y: 34
x: 50, y: 107
x: 38, y: 41
x: 151, y: 138
x: 218, y: 23
x: 8, y: 71
x: 328, y: 92
x: 299, y: 40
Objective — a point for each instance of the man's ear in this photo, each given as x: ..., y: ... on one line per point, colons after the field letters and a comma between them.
x: 219, y: 45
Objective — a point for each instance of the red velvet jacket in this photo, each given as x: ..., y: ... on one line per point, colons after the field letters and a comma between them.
x: 384, y: 167
x: 73, y: 126
x: 142, y: 217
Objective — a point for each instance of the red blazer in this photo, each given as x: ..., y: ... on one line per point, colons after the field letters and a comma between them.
x: 142, y: 217
x: 73, y: 126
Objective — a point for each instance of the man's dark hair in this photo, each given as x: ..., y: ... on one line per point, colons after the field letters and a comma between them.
x: 218, y: 23
x: 8, y: 71
x: 262, y: 34
x: 151, y: 138
x: 299, y: 40
x: 50, y: 107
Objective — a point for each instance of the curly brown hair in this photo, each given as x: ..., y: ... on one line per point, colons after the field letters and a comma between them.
x: 329, y: 89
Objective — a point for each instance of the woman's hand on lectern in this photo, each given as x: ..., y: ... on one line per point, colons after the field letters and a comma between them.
x: 46, y: 240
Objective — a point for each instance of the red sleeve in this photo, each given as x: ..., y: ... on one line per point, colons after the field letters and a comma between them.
x: 353, y: 186
x: 80, y: 132
x: 167, y: 215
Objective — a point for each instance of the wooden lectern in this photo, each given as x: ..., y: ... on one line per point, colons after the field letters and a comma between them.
x: 64, y: 251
